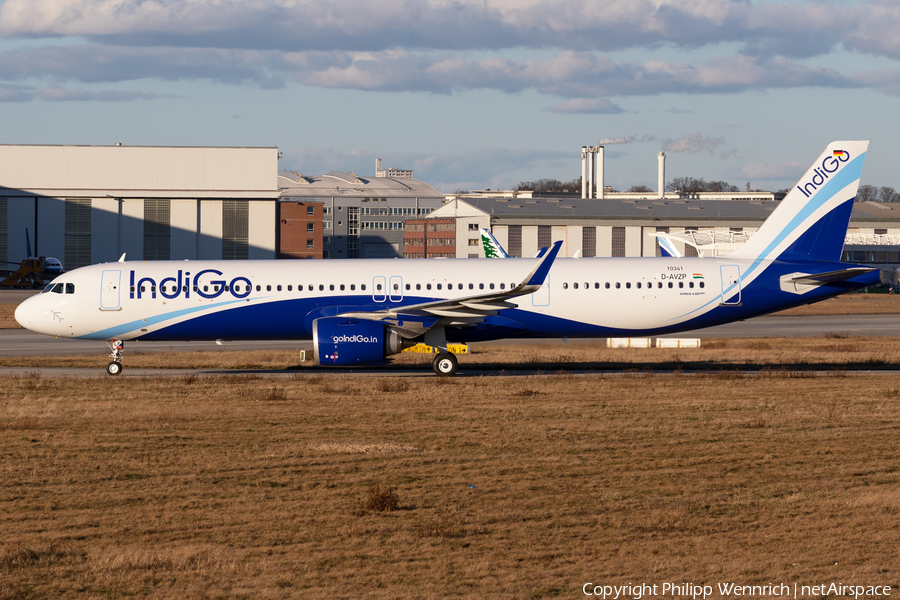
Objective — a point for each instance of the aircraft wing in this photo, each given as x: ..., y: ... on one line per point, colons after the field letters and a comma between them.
x: 412, y: 320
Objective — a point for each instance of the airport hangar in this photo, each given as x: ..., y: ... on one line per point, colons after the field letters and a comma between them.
x: 615, y: 226
x: 90, y: 204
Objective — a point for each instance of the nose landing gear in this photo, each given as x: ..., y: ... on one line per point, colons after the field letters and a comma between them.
x: 118, y: 349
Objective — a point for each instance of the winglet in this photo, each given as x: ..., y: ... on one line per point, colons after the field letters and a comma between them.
x: 539, y: 274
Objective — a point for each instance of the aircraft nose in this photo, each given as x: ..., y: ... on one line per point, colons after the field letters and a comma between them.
x: 24, y: 314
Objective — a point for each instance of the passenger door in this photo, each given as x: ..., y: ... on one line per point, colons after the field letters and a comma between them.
x: 109, y: 290
x: 731, y: 285
x: 379, y: 293
x: 396, y: 290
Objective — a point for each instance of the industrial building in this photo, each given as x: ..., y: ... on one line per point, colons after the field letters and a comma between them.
x: 91, y: 204
x: 614, y: 227
x: 363, y: 216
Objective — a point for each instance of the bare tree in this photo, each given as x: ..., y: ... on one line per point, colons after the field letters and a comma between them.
x: 888, y: 194
x: 639, y: 188
x: 692, y: 185
x: 867, y: 193
x: 550, y: 186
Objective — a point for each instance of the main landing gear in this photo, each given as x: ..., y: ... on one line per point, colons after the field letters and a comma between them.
x: 445, y: 364
x: 118, y: 349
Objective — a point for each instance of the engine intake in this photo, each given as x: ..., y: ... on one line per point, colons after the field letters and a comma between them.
x: 343, y: 341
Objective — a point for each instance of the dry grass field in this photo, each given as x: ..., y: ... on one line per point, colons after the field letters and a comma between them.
x: 527, y: 487
x: 830, y: 352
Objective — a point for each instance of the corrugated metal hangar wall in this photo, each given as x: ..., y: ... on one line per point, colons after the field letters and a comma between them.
x: 90, y: 204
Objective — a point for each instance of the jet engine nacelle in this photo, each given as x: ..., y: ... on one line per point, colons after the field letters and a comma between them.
x: 343, y: 341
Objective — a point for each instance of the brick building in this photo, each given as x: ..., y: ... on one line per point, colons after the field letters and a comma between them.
x: 430, y: 238
x: 300, y: 229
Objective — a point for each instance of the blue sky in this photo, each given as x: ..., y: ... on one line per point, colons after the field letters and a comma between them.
x: 471, y: 93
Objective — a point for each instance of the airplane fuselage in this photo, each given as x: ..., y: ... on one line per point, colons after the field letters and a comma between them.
x: 587, y: 297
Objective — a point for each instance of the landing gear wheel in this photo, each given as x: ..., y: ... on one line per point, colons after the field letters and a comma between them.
x: 114, y: 368
x: 445, y: 364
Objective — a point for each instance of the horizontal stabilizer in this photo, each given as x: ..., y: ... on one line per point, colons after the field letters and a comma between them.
x: 833, y: 276
x: 800, y: 283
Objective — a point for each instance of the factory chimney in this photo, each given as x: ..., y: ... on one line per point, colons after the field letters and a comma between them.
x: 583, y: 172
x: 591, y: 163
x: 662, y: 174
x: 600, y: 174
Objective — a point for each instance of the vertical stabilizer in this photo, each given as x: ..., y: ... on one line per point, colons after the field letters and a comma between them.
x: 811, y: 222
x: 492, y: 249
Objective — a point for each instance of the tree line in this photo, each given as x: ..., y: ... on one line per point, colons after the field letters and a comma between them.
x: 693, y: 185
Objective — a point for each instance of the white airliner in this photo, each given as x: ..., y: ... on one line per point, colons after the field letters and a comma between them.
x: 358, y: 312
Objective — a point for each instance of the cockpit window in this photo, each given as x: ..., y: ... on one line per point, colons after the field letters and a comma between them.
x: 57, y: 289
x: 70, y: 288
x: 48, y: 288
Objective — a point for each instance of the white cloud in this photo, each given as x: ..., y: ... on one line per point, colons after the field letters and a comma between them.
x: 586, y: 106
x: 442, y: 47
x: 694, y: 143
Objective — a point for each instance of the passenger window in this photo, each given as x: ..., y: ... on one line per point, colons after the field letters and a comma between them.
x: 257, y: 288
x: 331, y: 287
x: 396, y: 287
x: 471, y: 286
x: 438, y: 286
x: 690, y: 284
x: 278, y: 287
x: 670, y: 285
x: 196, y: 288
x: 153, y: 288
x: 587, y: 286
x: 215, y: 289
x: 575, y: 285
x: 378, y: 287
x: 702, y: 284
x: 363, y: 287
x: 311, y: 287
x: 638, y: 285
x: 628, y: 285
x: 352, y: 287
x: 342, y: 287
x: 492, y: 286
x: 58, y: 289
x: 184, y: 289
x: 596, y: 285
x: 681, y: 284
x: 268, y: 288
x: 408, y: 287
x: 427, y: 286
x: 418, y: 286
x: 290, y: 288
x: 607, y: 285
x: 502, y: 286
x: 480, y: 286
x: 321, y: 288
